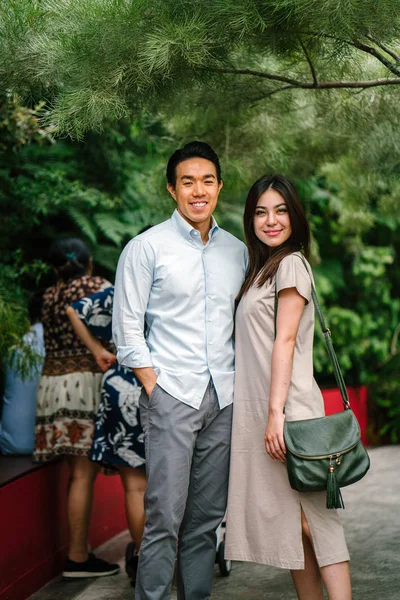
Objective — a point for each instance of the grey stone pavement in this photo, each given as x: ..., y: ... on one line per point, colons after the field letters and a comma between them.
x: 372, y: 526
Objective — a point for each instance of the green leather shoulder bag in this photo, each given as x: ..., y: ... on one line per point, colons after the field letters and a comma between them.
x: 325, y: 453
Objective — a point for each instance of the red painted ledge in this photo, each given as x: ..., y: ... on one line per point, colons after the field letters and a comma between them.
x: 33, y: 526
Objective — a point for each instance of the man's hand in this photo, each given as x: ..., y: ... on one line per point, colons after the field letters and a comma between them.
x: 147, y: 377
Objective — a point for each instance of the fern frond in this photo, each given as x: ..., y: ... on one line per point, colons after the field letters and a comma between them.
x: 83, y: 223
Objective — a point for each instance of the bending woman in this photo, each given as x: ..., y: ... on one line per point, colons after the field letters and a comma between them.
x: 267, y: 521
x: 118, y: 439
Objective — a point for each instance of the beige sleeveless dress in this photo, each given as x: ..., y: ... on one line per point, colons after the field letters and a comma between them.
x: 264, y: 513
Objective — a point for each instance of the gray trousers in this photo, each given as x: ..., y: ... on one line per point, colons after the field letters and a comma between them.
x: 187, y: 464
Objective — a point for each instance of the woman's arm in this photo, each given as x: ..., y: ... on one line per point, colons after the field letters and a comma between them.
x: 103, y: 357
x: 290, y: 309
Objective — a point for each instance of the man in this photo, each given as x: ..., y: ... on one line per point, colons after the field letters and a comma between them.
x: 181, y: 279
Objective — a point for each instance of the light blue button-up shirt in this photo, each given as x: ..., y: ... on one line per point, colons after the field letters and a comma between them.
x: 184, y: 291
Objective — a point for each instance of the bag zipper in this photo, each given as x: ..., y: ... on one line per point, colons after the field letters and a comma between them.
x: 330, y: 456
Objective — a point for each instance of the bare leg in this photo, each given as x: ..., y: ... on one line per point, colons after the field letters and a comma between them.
x: 134, y: 482
x: 308, y: 582
x: 79, y: 504
x: 337, y: 581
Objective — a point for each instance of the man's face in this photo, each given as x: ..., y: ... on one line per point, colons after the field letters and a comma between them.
x: 196, y: 191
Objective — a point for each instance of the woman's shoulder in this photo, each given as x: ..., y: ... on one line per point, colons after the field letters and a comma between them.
x: 90, y: 283
x: 101, y: 299
x: 295, y: 259
x: 87, y: 285
x: 52, y: 292
x: 294, y: 271
x: 93, y: 280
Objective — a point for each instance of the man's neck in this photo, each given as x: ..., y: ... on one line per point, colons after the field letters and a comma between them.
x: 203, y: 228
x: 204, y: 233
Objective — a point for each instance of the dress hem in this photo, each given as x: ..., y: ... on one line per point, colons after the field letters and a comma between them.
x: 322, y: 562
x: 333, y: 560
x: 262, y: 560
x: 62, y: 451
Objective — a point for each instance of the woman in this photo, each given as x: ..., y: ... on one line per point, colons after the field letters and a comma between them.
x: 68, y: 399
x: 267, y: 521
x: 17, y: 423
x: 118, y: 441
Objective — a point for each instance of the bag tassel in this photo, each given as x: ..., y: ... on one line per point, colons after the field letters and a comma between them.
x: 333, y: 494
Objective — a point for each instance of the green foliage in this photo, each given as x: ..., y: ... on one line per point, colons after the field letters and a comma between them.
x: 19, y: 126
x: 99, y: 60
x: 104, y: 190
x: 385, y: 391
x: 14, y: 323
x: 356, y: 282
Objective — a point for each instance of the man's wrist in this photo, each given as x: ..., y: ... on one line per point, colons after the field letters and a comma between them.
x: 147, y: 377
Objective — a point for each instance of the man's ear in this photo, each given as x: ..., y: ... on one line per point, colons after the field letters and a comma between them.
x: 220, y: 185
x: 171, y: 190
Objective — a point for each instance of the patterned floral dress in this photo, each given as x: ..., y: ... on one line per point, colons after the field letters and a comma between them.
x: 118, y: 438
x: 69, y: 390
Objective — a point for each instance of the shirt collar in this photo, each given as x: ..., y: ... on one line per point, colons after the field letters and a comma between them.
x: 186, y: 230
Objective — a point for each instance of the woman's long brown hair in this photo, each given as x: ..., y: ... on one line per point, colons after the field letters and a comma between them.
x: 263, y: 260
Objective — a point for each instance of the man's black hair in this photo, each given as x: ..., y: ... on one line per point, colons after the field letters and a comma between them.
x: 192, y: 150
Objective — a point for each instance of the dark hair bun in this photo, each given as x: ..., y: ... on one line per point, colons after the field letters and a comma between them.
x: 70, y: 257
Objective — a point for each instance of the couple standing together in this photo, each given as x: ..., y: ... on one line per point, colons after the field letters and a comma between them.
x: 180, y: 282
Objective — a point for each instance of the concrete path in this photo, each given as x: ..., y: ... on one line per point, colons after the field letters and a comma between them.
x: 372, y: 526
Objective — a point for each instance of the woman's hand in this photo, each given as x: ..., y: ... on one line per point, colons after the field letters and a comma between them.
x: 274, y: 442
x: 104, y: 359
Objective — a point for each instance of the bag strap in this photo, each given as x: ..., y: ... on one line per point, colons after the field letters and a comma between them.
x: 327, y: 337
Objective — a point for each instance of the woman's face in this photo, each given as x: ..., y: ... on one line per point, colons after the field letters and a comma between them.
x: 271, y: 219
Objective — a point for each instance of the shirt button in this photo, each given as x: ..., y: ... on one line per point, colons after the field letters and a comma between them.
x: 210, y: 343
x: 210, y: 296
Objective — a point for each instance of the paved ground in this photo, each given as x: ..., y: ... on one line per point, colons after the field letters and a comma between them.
x: 372, y: 525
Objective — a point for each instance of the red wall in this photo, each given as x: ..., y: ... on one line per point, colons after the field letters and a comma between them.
x: 358, y: 402
x: 33, y: 526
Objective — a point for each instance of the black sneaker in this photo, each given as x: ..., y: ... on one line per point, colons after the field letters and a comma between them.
x: 92, y: 567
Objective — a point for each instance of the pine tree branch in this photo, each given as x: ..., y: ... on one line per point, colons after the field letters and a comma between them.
x: 272, y: 93
x: 272, y: 76
x: 364, y: 48
x: 294, y: 83
x: 255, y: 101
x: 385, y: 48
x: 308, y: 58
x: 374, y: 52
